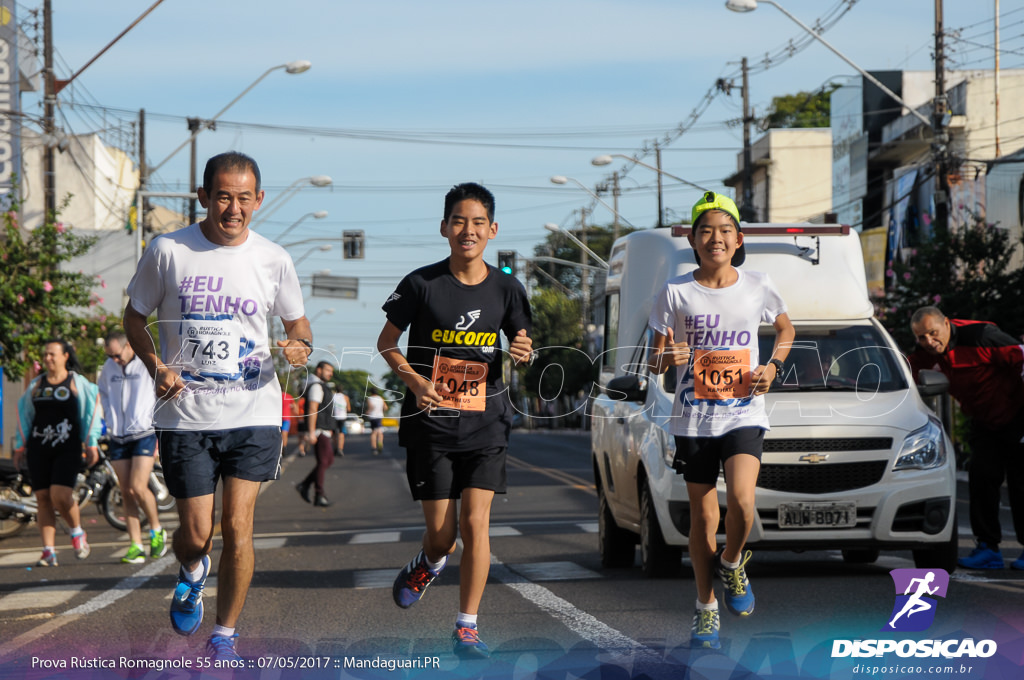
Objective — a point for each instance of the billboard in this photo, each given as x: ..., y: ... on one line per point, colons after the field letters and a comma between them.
x: 10, y: 147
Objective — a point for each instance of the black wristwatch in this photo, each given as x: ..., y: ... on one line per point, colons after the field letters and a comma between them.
x: 778, y: 368
x: 306, y: 342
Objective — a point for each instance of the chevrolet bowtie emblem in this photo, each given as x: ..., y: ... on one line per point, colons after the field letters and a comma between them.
x: 814, y: 458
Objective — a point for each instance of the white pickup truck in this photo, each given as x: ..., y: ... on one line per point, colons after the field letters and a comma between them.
x: 855, y: 461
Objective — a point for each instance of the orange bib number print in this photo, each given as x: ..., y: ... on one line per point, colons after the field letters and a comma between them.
x: 461, y: 384
x: 721, y: 374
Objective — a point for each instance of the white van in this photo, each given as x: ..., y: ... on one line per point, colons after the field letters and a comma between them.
x: 854, y: 460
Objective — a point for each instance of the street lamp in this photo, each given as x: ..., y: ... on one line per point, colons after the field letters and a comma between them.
x: 606, y: 159
x: 274, y: 204
x: 323, y: 248
x: 318, y: 215
x: 750, y: 5
x: 562, y: 179
x: 299, y: 66
x: 554, y: 228
x: 329, y: 310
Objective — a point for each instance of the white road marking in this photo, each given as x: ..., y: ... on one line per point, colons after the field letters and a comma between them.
x: 499, y: 531
x: 578, y: 621
x: 40, y: 597
x: 554, y: 571
x: 374, y: 578
x: 376, y: 537
x: 121, y: 589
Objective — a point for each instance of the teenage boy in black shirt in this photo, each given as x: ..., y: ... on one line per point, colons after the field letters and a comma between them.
x: 456, y: 416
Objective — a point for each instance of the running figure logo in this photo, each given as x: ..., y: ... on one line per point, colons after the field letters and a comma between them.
x: 914, y: 610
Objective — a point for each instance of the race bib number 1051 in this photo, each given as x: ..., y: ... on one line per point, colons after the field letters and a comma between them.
x: 721, y: 374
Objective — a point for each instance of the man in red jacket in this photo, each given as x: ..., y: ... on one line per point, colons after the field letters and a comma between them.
x: 985, y: 367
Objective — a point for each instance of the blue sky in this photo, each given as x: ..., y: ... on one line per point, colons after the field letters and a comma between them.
x: 505, y: 93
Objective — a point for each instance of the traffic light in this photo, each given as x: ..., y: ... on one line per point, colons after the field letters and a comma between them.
x: 354, y: 244
x: 507, y: 261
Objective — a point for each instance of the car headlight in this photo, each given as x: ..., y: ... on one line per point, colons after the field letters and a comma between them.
x: 923, y: 449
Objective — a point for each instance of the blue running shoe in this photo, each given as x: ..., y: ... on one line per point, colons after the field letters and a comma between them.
x: 187, y: 602
x: 983, y: 556
x: 704, y: 633
x: 413, y: 580
x: 467, y: 644
x: 739, y: 596
x: 1018, y: 563
x: 222, y: 648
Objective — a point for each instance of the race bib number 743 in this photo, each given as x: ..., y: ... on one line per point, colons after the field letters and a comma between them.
x: 721, y: 374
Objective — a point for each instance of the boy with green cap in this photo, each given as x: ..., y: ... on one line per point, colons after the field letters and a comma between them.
x: 718, y: 417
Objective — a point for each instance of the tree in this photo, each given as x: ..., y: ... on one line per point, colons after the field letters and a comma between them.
x: 599, y: 239
x: 39, y: 299
x: 562, y: 367
x: 965, y: 272
x: 801, y: 110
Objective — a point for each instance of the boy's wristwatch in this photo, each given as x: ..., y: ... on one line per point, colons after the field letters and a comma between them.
x: 778, y: 367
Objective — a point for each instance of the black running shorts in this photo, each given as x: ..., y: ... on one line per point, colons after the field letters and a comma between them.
x: 195, y: 460
x: 435, y: 474
x: 699, y: 459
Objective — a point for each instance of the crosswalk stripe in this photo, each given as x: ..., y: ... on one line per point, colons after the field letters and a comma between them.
x: 376, y: 537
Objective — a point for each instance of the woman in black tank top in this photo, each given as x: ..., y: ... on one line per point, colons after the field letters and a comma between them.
x: 53, y: 444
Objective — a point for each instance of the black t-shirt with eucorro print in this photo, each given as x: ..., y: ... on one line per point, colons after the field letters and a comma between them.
x: 453, y: 341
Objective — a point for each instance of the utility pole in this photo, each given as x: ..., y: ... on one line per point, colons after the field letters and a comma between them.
x: 615, y: 204
x: 584, y: 274
x: 49, y: 101
x: 661, y: 210
x: 940, y: 141
x: 747, y: 213
x: 193, y: 126
x: 996, y: 78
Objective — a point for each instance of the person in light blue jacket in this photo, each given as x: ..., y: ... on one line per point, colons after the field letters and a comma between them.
x: 57, y: 417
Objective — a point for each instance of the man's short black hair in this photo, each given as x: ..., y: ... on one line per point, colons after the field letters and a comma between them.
x: 324, y: 363
x: 230, y: 160
x: 469, y: 191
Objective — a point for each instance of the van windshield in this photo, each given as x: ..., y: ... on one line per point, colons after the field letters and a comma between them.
x: 837, y: 358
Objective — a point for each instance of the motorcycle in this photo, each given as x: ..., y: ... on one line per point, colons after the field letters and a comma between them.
x: 97, y: 484
x: 111, y: 501
x: 17, y: 503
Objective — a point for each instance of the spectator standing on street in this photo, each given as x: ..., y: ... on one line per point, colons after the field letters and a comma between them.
x: 342, y: 406
x: 375, y: 406
x: 57, y: 416
x: 214, y: 286
x: 129, y: 397
x: 320, y: 430
x: 985, y: 367
x: 719, y: 423
x: 456, y: 416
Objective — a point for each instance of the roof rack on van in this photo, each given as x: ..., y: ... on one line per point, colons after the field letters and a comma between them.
x: 795, y: 230
x: 769, y: 229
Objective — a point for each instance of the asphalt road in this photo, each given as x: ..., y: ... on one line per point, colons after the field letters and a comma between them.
x: 320, y: 602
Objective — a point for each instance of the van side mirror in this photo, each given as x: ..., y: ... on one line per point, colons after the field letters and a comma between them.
x: 931, y: 383
x: 626, y: 388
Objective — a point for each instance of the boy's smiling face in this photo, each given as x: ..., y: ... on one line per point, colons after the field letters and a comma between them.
x: 468, y: 229
x: 715, y: 238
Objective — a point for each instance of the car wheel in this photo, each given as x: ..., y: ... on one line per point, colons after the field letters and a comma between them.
x: 617, y: 545
x: 940, y: 555
x: 861, y: 555
x: 658, y: 558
